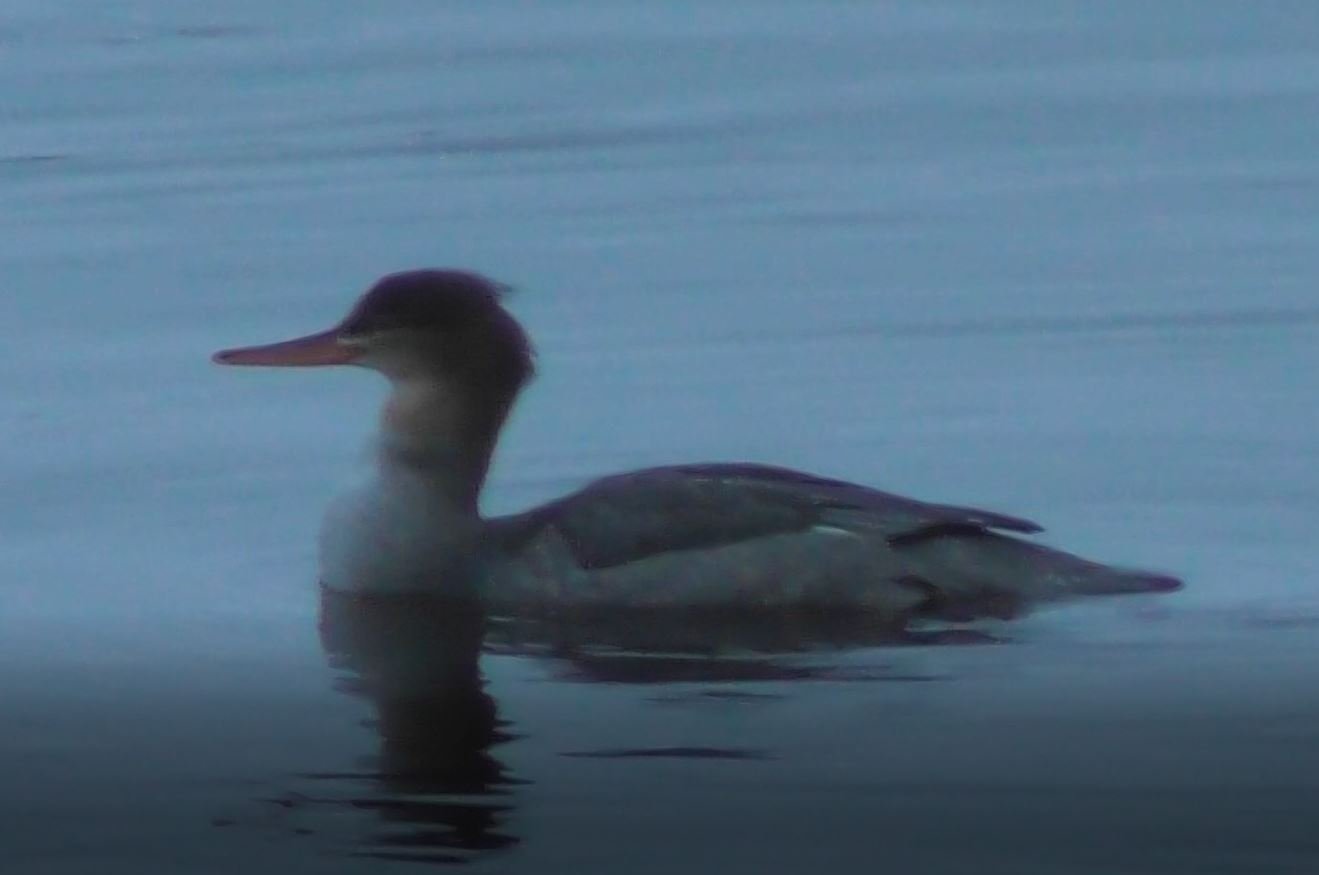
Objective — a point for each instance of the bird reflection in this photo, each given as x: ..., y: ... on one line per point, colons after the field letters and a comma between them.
x: 668, y: 646
x: 434, y: 783
x: 435, y: 790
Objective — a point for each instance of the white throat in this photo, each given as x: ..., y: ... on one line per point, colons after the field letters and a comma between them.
x: 414, y: 525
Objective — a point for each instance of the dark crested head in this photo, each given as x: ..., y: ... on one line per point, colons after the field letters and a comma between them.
x: 424, y: 300
x: 417, y: 323
x: 446, y: 322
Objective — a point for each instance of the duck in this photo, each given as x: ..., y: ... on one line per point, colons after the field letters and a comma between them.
x: 694, y: 537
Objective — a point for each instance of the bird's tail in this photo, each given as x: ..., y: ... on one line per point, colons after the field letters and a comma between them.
x: 988, y: 574
x: 1106, y: 580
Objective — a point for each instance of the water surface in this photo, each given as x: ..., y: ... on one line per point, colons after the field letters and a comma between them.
x: 1056, y: 259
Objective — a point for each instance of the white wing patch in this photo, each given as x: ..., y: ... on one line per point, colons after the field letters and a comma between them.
x: 833, y: 531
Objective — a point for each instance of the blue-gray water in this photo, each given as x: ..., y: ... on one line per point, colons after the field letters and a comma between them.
x: 1058, y: 259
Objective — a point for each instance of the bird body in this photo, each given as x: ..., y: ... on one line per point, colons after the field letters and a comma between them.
x: 732, y: 535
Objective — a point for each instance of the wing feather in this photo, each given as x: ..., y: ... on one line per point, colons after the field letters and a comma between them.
x: 627, y: 517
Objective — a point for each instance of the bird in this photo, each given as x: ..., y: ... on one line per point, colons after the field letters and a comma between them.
x: 687, y: 537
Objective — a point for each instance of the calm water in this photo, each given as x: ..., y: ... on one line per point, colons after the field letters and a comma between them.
x: 1058, y: 259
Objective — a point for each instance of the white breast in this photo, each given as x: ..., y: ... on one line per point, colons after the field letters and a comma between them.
x: 390, y: 535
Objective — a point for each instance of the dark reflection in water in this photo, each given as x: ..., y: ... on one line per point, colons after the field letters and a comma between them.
x: 434, y: 783
x: 662, y: 646
x: 436, y: 791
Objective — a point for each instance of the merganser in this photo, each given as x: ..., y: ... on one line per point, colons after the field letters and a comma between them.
x: 710, y: 536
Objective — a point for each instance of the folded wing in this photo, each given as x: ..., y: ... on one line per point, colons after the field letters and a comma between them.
x: 629, y: 517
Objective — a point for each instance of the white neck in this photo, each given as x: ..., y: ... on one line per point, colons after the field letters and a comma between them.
x: 416, y: 525
x: 431, y: 434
